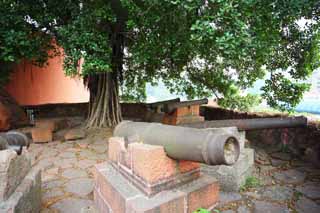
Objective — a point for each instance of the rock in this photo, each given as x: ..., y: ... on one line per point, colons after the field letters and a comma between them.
x: 226, y: 197
x: 261, y: 157
x: 11, y: 114
x: 292, y: 176
x: 52, y: 184
x: 67, y: 155
x: 75, y: 134
x: 72, y: 205
x: 267, y: 207
x: 281, y: 156
x: 89, y: 209
x: 243, y: 209
x: 306, y: 205
x: 84, y: 164
x: 80, y: 187
x: 277, y: 193
x: 310, y: 189
x: 278, y: 163
x: 74, y: 173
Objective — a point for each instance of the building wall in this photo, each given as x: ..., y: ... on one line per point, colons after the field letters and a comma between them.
x: 31, y: 85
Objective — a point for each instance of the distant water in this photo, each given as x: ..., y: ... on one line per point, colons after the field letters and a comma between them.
x: 311, y: 106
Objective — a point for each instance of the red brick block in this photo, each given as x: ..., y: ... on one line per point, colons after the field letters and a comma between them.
x: 151, y: 163
x: 187, y: 166
x: 41, y: 135
x: 187, y: 111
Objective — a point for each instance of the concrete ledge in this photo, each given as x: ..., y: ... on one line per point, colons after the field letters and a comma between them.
x: 27, y: 196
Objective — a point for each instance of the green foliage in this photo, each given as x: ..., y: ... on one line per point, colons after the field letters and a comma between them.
x: 20, y: 37
x: 251, y: 182
x: 201, y: 210
x: 198, y: 48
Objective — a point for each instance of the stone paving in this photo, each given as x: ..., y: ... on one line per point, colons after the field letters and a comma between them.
x: 281, y: 182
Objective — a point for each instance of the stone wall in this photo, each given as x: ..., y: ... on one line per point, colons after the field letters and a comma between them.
x: 301, y: 142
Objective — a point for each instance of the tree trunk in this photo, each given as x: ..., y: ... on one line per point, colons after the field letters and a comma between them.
x: 104, y: 106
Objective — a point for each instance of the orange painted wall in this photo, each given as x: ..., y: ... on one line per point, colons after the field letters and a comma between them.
x: 32, y: 85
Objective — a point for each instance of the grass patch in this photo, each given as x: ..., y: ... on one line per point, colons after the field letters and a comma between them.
x: 251, y: 182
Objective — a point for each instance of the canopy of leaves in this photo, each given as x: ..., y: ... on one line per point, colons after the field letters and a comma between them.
x: 21, y: 37
x: 198, y: 48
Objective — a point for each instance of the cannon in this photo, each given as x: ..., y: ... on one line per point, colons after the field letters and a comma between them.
x: 253, y: 124
x: 14, y: 140
x: 209, y: 146
x: 172, y: 106
x: 156, y: 105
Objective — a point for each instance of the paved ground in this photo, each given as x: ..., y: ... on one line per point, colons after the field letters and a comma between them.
x: 280, y: 183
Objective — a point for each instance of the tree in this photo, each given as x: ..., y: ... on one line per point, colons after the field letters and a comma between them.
x: 20, y: 37
x: 198, y: 48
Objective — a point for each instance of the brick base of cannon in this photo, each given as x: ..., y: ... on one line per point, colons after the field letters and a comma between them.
x: 141, y: 178
x: 20, y: 186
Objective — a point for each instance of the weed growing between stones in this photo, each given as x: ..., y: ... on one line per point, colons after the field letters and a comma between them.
x: 251, y: 182
x: 201, y: 210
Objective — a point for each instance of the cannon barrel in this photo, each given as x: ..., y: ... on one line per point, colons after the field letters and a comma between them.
x: 212, y: 147
x: 253, y: 124
x: 170, y: 107
x: 14, y: 140
x: 156, y: 104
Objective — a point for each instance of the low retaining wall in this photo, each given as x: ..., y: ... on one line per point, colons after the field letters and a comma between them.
x: 300, y: 141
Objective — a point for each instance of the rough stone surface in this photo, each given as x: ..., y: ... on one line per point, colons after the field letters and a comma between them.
x: 75, y: 134
x: 290, y: 176
x: 13, y: 169
x: 72, y: 205
x: 277, y: 193
x: 226, y: 197
x: 27, y: 196
x: 243, y: 209
x: 281, y: 156
x: 306, y: 205
x: 266, y: 207
x: 232, y: 177
x: 80, y: 187
x: 311, y: 190
x: 74, y: 173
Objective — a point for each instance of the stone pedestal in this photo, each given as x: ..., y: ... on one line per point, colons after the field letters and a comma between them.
x: 141, y: 178
x: 20, y: 186
x: 231, y: 178
x: 183, y: 115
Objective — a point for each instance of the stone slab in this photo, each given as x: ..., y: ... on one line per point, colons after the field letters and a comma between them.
x: 232, y: 177
x: 114, y: 192
x: 13, y: 169
x: 27, y: 196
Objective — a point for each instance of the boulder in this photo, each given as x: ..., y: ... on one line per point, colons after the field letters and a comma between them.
x: 11, y: 114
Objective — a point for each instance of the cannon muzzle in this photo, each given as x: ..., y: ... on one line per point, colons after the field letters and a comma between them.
x: 212, y: 147
x: 14, y: 140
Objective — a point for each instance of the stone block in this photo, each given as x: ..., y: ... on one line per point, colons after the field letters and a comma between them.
x: 116, y: 145
x: 174, y: 120
x: 232, y: 177
x: 189, y: 110
x: 13, y: 169
x: 151, y: 162
x: 148, y: 167
x: 41, y: 135
x: 46, y: 124
x: 27, y: 196
x: 114, y: 193
x: 75, y: 134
